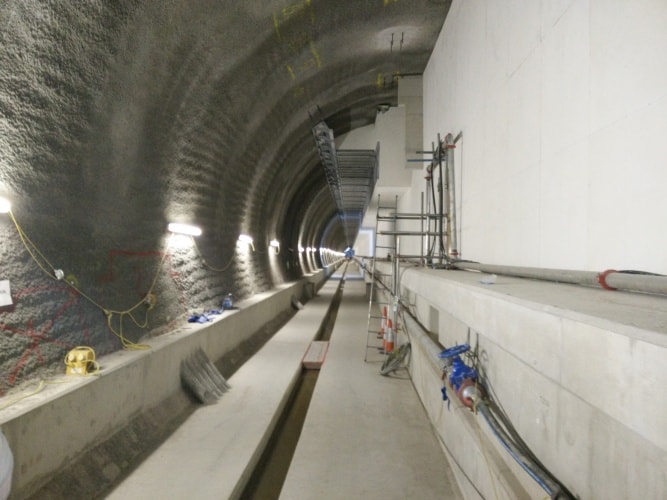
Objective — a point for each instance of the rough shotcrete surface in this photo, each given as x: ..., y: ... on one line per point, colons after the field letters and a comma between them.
x: 119, y: 117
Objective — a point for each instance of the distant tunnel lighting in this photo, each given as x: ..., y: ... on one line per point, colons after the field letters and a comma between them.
x: 301, y: 249
x: 5, y: 205
x: 186, y: 229
x: 275, y: 244
x: 244, y: 238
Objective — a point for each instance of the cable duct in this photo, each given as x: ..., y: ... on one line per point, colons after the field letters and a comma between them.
x: 351, y: 175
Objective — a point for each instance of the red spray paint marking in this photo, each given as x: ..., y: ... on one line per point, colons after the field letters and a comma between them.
x: 40, y: 336
x: 74, y: 298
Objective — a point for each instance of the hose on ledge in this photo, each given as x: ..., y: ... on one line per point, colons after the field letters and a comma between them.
x: 630, y: 281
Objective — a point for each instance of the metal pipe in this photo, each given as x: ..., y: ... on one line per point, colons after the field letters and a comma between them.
x: 452, y: 251
x: 421, y: 240
x: 396, y: 287
x: 441, y: 208
x: 609, y: 280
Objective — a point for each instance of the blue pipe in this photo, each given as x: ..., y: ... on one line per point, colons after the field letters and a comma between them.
x: 546, y: 483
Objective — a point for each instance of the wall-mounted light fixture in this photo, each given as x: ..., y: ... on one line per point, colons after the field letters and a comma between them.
x: 185, y: 229
x: 301, y: 249
x: 244, y: 238
x: 5, y: 205
x: 274, y: 243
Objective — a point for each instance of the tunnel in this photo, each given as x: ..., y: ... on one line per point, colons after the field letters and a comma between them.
x: 183, y: 177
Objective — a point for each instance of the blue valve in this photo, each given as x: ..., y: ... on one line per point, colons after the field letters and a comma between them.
x: 460, y: 372
x: 454, y: 351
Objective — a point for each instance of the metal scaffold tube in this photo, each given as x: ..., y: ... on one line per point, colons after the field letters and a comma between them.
x: 450, y: 144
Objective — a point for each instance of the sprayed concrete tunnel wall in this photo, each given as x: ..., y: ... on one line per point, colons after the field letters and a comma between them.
x: 104, y: 114
x: 117, y: 118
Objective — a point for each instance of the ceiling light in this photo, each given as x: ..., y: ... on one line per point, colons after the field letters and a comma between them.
x: 5, y: 206
x: 186, y: 229
x: 244, y: 238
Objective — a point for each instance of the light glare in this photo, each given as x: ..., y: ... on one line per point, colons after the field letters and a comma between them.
x: 5, y: 205
x: 186, y: 229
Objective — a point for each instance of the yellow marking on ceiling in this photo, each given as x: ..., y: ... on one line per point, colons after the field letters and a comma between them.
x: 315, y: 53
x: 275, y: 25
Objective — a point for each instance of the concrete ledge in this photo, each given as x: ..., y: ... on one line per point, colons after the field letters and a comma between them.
x: 51, y: 429
x: 581, y: 372
x: 215, y: 451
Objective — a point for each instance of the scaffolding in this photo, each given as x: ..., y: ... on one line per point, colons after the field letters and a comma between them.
x: 437, y: 228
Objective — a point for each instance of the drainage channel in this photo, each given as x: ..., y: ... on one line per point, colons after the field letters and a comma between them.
x: 267, y: 479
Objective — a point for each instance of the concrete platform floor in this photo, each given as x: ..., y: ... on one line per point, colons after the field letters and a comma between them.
x: 365, y: 435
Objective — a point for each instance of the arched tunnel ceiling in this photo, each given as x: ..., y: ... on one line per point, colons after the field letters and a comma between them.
x: 198, y: 93
x: 340, y: 61
x: 119, y: 117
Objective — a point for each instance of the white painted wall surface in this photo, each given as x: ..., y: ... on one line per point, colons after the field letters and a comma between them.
x: 389, y: 130
x: 394, y: 178
x: 563, y: 108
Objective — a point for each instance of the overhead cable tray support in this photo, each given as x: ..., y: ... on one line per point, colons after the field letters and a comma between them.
x: 351, y: 175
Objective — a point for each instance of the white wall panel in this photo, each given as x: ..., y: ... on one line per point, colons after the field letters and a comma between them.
x: 562, y: 107
x: 628, y: 52
x: 564, y: 208
x: 565, y: 85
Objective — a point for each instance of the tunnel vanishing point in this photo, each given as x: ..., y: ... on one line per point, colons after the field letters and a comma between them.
x: 125, y: 124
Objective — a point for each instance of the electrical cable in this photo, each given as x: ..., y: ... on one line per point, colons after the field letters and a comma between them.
x: 496, y: 407
x: 520, y: 452
x: 451, y: 455
x: 510, y: 438
x: 15, y: 400
x: 640, y: 273
x: 516, y: 448
x: 553, y: 488
x: 40, y: 387
x: 478, y: 430
x: 205, y: 262
x: 33, y: 251
x: 32, y: 247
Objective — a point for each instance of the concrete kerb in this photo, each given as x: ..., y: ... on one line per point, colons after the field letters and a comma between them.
x: 49, y: 430
x: 218, y: 447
